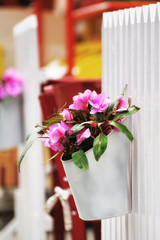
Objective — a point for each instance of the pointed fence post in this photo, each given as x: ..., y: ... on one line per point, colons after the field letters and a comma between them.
x: 31, y: 192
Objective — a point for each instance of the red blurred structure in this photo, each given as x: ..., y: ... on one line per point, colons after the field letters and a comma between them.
x: 73, y: 15
x: 90, y: 11
x: 38, y: 11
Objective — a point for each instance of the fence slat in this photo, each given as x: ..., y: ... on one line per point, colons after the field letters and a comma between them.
x: 130, y: 54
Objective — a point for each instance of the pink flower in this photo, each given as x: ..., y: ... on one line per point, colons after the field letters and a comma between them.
x: 80, y: 102
x: 121, y: 104
x: 84, y: 134
x: 13, y: 82
x: 46, y: 139
x: 55, y: 137
x: 3, y: 92
x: 66, y: 114
x: 99, y: 103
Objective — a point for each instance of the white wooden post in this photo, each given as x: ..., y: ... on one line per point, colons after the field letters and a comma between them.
x: 131, y: 54
x: 30, y: 196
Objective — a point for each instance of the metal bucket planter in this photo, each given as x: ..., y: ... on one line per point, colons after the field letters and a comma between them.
x: 104, y: 190
x: 11, y: 132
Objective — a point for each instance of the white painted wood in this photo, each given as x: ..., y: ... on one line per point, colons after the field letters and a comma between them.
x: 30, y: 196
x: 131, y: 54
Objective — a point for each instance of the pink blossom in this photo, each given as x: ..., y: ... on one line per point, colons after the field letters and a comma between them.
x: 45, y: 139
x: 3, y: 92
x: 84, y: 134
x: 66, y: 114
x: 55, y: 137
x: 80, y: 102
x: 121, y: 104
x: 99, y: 103
x: 13, y: 82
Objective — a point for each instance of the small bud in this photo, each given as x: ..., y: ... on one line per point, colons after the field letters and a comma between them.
x: 94, y: 124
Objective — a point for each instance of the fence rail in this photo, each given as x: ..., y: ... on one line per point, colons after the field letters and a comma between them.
x: 131, y: 55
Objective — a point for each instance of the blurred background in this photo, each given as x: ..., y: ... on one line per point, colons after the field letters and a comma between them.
x: 56, y: 46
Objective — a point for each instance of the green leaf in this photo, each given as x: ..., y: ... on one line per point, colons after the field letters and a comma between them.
x: 130, y: 111
x: 124, y: 90
x: 41, y: 126
x: 29, y: 145
x: 78, y: 127
x: 116, y: 100
x: 62, y: 108
x: 55, y: 119
x: 99, y: 145
x: 123, y: 129
x: 112, y: 104
x: 99, y: 124
x: 55, y: 155
x: 80, y: 114
x: 29, y: 135
x: 99, y: 116
x: 67, y: 121
x: 80, y: 160
x: 38, y: 128
x: 121, y: 110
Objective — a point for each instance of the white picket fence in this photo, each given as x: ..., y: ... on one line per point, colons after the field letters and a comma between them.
x: 131, y: 54
x: 30, y: 196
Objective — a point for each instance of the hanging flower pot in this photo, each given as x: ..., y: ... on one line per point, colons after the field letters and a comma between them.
x: 104, y: 190
x: 11, y: 123
x: 10, y: 109
x: 93, y: 138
